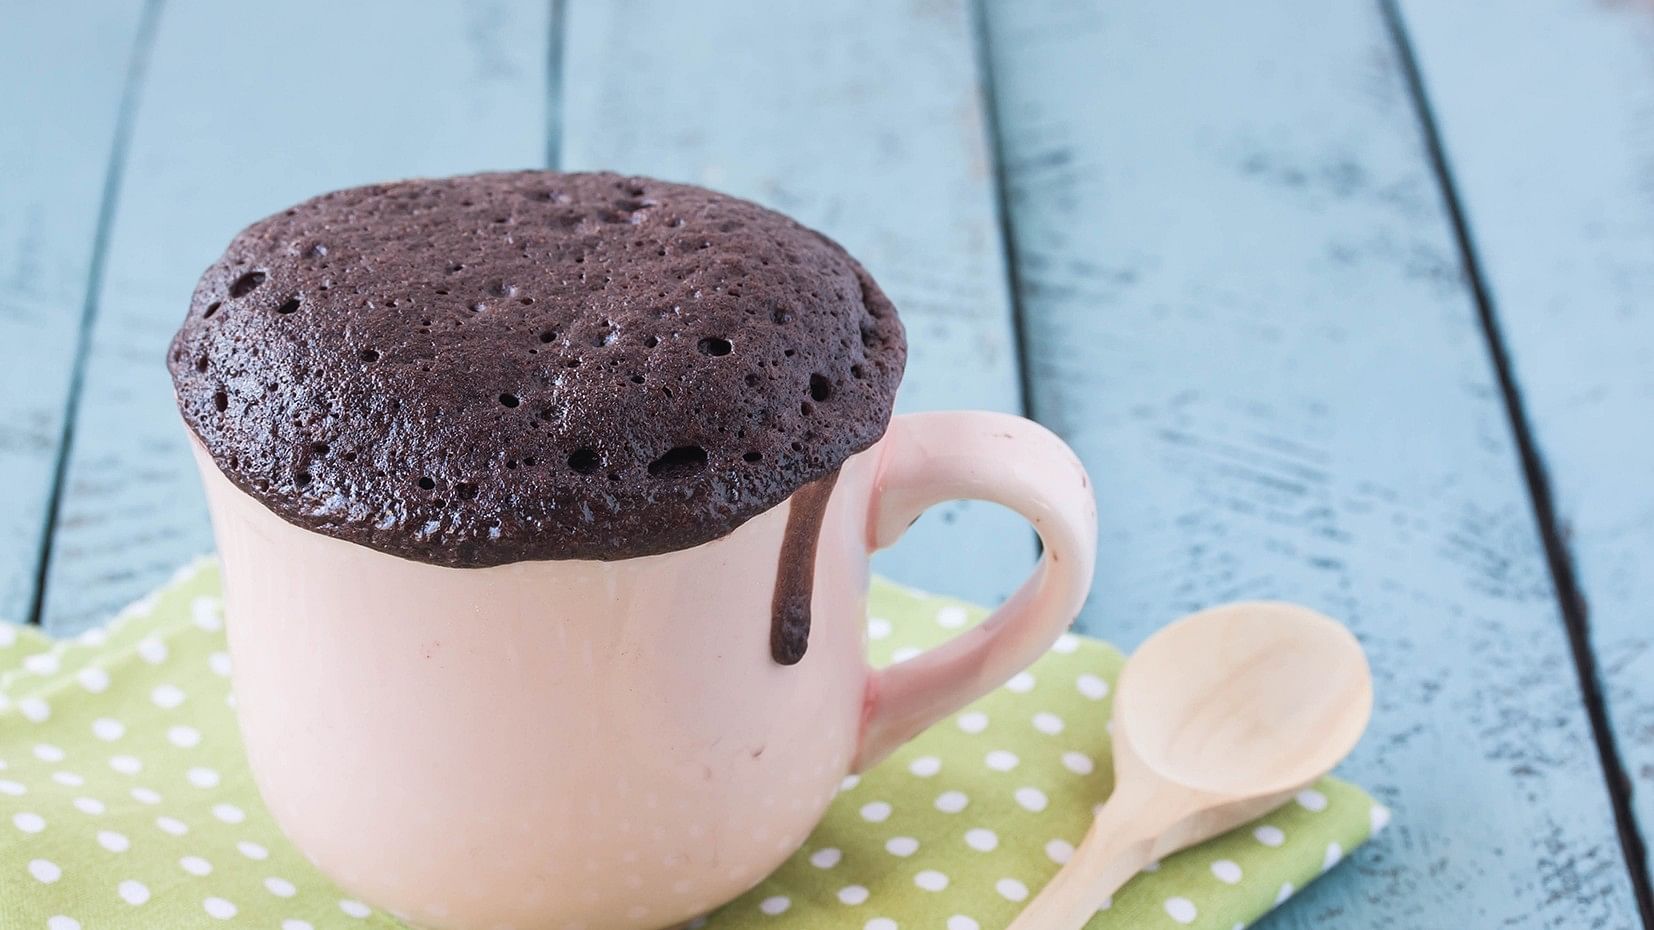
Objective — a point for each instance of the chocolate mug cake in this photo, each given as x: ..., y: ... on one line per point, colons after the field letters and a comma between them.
x: 543, y: 497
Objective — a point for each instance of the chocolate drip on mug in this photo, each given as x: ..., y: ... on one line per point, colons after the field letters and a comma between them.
x: 795, y: 575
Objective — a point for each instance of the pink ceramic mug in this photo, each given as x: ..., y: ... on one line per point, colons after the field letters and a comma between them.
x: 610, y: 745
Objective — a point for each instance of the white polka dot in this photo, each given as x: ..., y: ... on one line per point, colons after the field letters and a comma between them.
x: 1059, y: 851
x: 1311, y: 800
x: 1269, y: 836
x: 28, y: 822
x: 42, y: 663
x: 961, y: 922
x: 61, y: 922
x: 91, y: 806
x: 1378, y: 817
x: 126, y: 765
x: 905, y: 653
x: 925, y: 766
x: 1031, y: 799
x: 878, y: 628
x: 951, y: 802
x: 219, y: 662
x: 205, y: 612
x: 826, y: 858
x: 280, y: 887
x: 1226, y: 871
x: 253, y: 850
x: 354, y: 908
x: 849, y: 782
x: 973, y: 721
x: 774, y: 905
x: 1011, y: 890
x: 1091, y: 686
x: 1334, y: 854
x: 132, y: 892
x: 184, y: 737
x: 1021, y: 683
x: 46, y: 752
x: 931, y: 880
x: 951, y: 618
x: 1048, y: 723
x: 981, y: 839
x: 1284, y: 893
x: 8, y: 634
x: 219, y: 908
x: 68, y: 779
x: 108, y: 729
x: 172, y: 825
x: 229, y: 813
x: 1078, y: 762
x: 195, y: 865
x: 167, y: 696
x: 875, y: 811
x: 93, y: 678
x: 295, y: 924
x: 880, y: 923
x: 152, y: 650
x: 96, y: 636
x: 45, y: 871
x: 146, y: 795
x: 903, y: 846
x: 202, y: 777
x: 1181, y: 910
x: 12, y: 789
x: 1001, y: 761
x: 114, y: 842
x: 852, y: 894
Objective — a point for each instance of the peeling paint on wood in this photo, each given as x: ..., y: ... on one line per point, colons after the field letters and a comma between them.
x: 1245, y: 309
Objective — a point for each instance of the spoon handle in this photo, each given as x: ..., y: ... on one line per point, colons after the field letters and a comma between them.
x: 1118, y: 845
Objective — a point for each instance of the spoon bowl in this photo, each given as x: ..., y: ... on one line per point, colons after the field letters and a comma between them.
x: 1248, y: 699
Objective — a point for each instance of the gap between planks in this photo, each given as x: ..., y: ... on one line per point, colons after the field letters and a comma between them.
x: 143, y: 44
x: 1570, y: 599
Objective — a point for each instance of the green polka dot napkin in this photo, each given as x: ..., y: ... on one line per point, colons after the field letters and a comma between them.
x: 125, y: 803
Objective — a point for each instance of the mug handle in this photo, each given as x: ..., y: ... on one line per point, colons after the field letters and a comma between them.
x: 975, y: 455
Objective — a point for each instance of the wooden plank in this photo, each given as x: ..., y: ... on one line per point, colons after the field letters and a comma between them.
x: 1547, y: 122
x: 237, y: 120
x: 57, y: 128
x: 865, y: 120
x: 1245, y: 307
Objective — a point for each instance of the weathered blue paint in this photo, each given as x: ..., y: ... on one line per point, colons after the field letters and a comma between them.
x: 1547, y: 121
x: 864, y: 119
x: 1245, y: 308
x: 227, y: 132
x: 57, y: 125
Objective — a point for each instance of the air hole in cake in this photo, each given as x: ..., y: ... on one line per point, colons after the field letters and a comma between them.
x: 221, y: 400
x: 302, y: 479
x: 679, y: 462
x: 466, y: 491
x: 201, y: 364
x: 780, y: 315
x: 212, y: 308
x: 509, y: 400
x: 585, y: 461
x: 821, y: 389
x: 715, y: 346
x: 320, y: 448
x: 426, y: 484
x: 857, y: 372
x: 753, y: 457
x: 246, y: 284
x: 548, y: 336
x: 649, y: 342
x: 369, y: 355
x: 289, y: 305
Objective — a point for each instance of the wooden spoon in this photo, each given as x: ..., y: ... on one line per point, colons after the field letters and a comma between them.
x: 1218, y: 718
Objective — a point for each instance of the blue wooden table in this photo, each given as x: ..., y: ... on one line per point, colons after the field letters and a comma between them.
x: 1344, y: 301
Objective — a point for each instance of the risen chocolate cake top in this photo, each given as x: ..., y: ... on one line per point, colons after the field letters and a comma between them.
x: 502, y: 367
